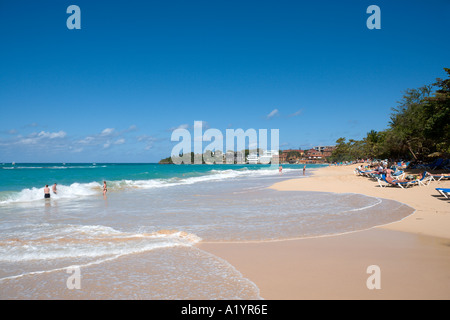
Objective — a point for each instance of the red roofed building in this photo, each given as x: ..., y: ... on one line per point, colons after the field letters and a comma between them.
x: 313, y: 155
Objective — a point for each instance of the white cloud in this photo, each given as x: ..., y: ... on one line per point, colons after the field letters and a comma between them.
x: 86, y: 140
x: 132, y: 128
x: 120, y: 141
x: 297, y: 113
x: 36, y: 137
x: 51, y: 135
x: 107, y: 132
x: 181, y: 126
x: 100, y: 138
x: 148, y: 140
x: 28, y: 141
x: 272, y: 114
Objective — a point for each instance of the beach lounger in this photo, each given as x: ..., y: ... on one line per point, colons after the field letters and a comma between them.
x: 399, y: 174
x: 402, y: 184
x: 375, y: 176
x: 444, y: 191
x: 438, y: 163
x: 382, y: 181
x: 425, y: 180
x: 359, y: 172
x: 363, y: 173
x: 431, y: 166
x: 441, y: 177
x: 446, y: 165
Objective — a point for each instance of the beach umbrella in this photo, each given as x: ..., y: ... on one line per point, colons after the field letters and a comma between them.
x: 437, y: 154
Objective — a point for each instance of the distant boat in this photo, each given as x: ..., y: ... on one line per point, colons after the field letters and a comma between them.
x: 94, y: 164
x: 13, y: 163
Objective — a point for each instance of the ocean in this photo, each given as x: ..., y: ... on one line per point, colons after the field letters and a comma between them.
x: 139, y: 241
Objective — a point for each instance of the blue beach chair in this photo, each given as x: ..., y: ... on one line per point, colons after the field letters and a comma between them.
x: 441, y: 177
x: 444, y: 191
x: 425, y: 180
x: 395, y: 183
x: 382, y: 181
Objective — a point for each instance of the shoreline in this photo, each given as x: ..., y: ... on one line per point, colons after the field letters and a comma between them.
x: 431, y: 211
x: 413, y: 253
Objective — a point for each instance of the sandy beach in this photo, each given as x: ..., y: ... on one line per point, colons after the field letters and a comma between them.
x: 413, y: 255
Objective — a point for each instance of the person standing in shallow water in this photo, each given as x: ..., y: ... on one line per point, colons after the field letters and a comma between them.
x: 304, y: 168
x: 105, y: 189
x: 46, y: 192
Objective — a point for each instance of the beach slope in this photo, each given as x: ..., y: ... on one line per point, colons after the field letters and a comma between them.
x: 413, y: 255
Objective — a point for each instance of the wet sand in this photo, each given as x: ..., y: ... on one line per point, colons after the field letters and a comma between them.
x: 413, y: 254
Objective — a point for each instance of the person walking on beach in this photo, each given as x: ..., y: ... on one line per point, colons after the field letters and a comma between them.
x: 46, y: 192
x: 105, y: 189
x: 304, y: 168
x: 54, y: 189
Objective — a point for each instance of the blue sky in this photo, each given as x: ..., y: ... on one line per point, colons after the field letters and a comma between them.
x: 114, y: 90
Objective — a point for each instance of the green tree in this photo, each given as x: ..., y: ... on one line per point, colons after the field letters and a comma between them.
x: 293, y: 154
x: 372, y: 144
x: 408, y: 120
x: 341, y: 152
x: 437, y: 114
x: 418, y: 126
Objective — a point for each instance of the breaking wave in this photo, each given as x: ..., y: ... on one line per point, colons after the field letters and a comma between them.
x: 77, y: 190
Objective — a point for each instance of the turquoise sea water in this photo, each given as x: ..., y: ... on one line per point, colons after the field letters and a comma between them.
x: 27, y: 175
x: 139, y: 241
x: 21, y: 176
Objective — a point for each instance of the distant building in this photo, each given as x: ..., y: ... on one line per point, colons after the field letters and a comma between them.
x: 239, y: 158
x: 253, y: 158
x: 320, y: 153
x: 327, y: 151
x: 323, y: 148
x: 314, y: 155
x: 291, y: 155
x: 229, y: 157
x: 267, y: 156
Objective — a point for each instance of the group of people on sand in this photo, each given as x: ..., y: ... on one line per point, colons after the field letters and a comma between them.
x: 55, y: 191
x: 380, y: 169
x: 388, y: 172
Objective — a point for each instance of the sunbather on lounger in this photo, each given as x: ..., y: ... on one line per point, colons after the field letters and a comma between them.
x: 390, y: 179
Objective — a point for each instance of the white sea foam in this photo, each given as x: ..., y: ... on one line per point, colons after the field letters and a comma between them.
x: 64, y: 192
x: 76, y: 190
x: 215, y: 175
x: 52, y: 167
x: 47, y: 241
